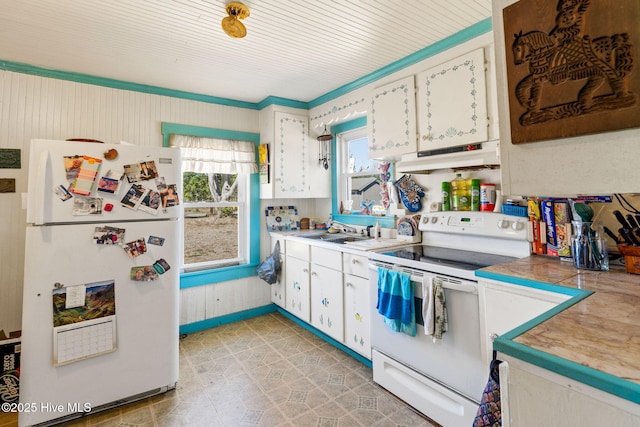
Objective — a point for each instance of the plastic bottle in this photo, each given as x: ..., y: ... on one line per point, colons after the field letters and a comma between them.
x: 446, y: 196
x: 461, y: 194
x: 376, y: 230
x: 475, y: 194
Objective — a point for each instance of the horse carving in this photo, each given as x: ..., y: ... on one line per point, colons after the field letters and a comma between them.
x: 554, y: 60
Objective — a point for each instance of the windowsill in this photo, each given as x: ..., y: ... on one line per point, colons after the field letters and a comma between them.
x: 223, y: 274
x: 387, y: 221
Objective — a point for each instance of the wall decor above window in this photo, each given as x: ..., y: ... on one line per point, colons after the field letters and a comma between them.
x: 572, y: 67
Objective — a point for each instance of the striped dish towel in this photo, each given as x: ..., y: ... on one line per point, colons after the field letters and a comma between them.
x: 434, y: 308
x: 396, y: 301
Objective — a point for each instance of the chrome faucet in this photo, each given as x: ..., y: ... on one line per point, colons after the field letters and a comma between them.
x: 345, y: 227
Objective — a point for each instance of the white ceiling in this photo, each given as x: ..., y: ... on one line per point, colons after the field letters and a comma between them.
x: 294, y: 49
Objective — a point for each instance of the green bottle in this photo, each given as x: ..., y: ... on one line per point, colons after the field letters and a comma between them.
x: 475, y: 194
x: 446, y: 196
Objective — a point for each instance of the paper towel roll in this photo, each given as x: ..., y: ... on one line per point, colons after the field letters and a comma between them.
x: 435, y: 206
x: 498, y: 207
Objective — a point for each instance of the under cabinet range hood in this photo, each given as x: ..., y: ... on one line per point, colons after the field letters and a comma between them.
x: 471, y: 155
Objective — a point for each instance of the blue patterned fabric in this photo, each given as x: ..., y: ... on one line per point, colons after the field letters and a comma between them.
x: 396, y: 302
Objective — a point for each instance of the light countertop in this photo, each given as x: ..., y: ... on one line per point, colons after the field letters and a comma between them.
x: 593, y: 337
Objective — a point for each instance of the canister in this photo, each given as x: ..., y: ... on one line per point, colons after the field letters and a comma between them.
x: 487, y: 197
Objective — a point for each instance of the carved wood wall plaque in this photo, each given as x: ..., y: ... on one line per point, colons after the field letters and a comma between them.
x: 572, y: 67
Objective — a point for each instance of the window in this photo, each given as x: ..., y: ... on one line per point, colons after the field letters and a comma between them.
x: 215, y: 219
x: 220, y: 202
x: 359, y: 175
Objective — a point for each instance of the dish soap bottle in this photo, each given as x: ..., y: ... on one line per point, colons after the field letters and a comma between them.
x: 376, y: 230
x: 461, y: 194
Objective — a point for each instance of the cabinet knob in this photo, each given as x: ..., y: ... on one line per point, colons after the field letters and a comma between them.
x: 313, y: 273
x: 348, y: 284
x: 305, y: 270
x: 354, y: 261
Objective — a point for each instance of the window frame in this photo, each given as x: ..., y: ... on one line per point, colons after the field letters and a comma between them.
x: 337, y: 180
x: 222, y: 274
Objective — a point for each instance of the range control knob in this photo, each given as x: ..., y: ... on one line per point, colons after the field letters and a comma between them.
x: 434, y: 219
x: 504, y: 223
x: 517, y: 225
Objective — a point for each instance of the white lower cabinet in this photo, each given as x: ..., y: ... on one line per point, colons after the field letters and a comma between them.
x: 533, y: 396
x: 505, y: 306
x: 327, y: 301
x: 297, y: 289
x: 356, y: 314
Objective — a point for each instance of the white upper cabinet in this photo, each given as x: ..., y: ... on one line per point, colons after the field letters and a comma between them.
x: 293, y: 169
x: 452, y: 103
x: 391, y: 120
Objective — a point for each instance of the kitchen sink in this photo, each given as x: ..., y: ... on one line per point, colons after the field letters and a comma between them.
x: 334, y: 237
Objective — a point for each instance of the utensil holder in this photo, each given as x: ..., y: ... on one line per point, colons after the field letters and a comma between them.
x: 588, y: 248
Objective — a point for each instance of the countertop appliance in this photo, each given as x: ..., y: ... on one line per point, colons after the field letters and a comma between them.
x: 443, y: 380
x: 101, y: 283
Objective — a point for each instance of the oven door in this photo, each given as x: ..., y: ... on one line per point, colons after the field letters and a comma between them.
x: 455, y: 362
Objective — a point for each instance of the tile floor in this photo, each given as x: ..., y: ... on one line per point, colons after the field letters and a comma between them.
x: 265, y: 371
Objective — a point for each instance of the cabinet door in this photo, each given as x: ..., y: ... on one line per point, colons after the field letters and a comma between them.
x: 297, y: 170
x: 391, y: 120
x: 452, y: 104
x: 297, y: 287
x: 327, y: 301
x: 505, y: 306
x: 356, y: 314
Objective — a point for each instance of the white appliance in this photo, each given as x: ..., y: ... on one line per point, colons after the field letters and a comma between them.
x: 443, y: 380
x: 101, y: 283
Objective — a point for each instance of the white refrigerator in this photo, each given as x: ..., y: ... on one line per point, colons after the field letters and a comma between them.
x: 101, y: 279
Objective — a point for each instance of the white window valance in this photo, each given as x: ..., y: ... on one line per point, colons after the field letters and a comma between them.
x: 210, y: 155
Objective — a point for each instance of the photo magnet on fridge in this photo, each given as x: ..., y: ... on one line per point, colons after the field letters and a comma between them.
x: 143, y: 273
x: 161, y: 266
x: 155, y: 240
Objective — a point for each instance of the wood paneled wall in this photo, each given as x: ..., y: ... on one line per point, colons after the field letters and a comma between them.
x: 37, y: 107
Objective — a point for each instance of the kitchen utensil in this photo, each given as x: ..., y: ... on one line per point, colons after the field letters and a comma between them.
x: 588, y: 248
x: 628, y: 236
x: 632, y: 222
x: 612, y: 235
x: 621, y: 220
x: 584, y: 211
x: 638, y: 218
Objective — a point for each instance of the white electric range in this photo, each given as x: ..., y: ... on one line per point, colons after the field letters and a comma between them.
x: 443, y: 380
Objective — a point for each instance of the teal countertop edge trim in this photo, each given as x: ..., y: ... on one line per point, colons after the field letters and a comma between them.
x: 606, y: 382
x: 327, y: 338
x: 559, y: 289
x: 504, y: 343
x: 207, y: 277
x: 460, y: 37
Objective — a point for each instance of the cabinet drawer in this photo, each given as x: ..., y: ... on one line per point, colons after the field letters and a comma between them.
x: 297, y: 249
x: 356, y: 265
x: 326, y: 257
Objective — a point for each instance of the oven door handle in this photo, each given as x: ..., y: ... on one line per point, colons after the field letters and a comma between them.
x: 417, y: 276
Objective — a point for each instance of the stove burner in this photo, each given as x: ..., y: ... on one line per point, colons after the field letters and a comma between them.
x: 465, y: 260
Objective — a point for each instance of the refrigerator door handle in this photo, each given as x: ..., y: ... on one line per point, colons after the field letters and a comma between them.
x: 41, y: 186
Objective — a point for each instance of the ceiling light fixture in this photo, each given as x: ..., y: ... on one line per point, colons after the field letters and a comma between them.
x: 231, y: 24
